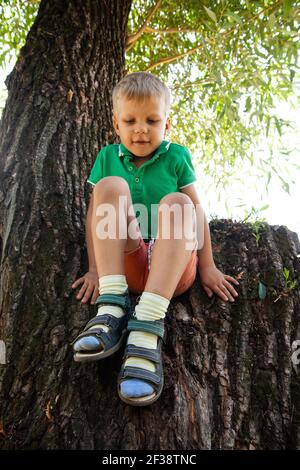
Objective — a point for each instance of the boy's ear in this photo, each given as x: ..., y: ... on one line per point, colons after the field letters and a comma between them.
x: 168, y: 124
x: 116, y: 125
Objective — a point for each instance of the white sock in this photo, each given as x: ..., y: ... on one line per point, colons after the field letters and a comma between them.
x: 151, y: 307
x: 111, y: 284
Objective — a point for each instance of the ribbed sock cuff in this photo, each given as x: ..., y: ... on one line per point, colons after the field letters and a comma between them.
x: 151, y: 307
x: 112, y: 284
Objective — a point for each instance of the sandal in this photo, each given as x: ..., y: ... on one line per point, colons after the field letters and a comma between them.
x: 155, y: 379
x: 112, y: 340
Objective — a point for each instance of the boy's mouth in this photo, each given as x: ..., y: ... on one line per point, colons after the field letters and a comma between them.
x: 141, y: 142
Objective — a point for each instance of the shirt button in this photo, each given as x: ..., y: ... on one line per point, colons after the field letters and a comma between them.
x: 130, y: 168
x: 137, y: 180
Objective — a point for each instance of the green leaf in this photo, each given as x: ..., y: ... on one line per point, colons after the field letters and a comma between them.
x: 248, y: 104
x: 262, y: 291
x: 235, y: 17
x: 222, y: 112
x: 211, y: 14
x: 272, y: 21
x: 278, y: 125
x: 292, y: 75
x: 286, y: 273
x: 268, y: 125
x: 285, y: 185
x: 287, y: 6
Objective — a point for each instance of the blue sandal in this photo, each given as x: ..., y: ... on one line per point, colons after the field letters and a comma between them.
x: 112, y: 340
x: 155, y: 379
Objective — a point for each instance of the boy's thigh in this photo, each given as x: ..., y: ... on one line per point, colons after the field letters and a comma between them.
x: 188, y: 277
x: 136, y: 267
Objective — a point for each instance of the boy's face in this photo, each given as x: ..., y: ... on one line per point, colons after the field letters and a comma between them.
x: 141, y: 124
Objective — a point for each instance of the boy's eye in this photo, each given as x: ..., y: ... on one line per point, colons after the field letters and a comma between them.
x: 151, y: 121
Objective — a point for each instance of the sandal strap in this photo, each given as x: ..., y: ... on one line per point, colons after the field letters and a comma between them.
x: 155, y: 327
x: 108, y: 339
x: 113, y: 299
x: 145, y: 353
x: 117, y: 331
x: 143, y: 374
x: 106, y: 319
x: 96, y: 333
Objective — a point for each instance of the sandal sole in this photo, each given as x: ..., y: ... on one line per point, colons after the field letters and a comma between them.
x: 90, y: 357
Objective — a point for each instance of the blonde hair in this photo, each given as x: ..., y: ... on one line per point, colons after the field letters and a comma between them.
x: 141, y: 85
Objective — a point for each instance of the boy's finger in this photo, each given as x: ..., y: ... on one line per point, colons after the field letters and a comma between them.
x: 87, y: 294
x: 81, y: 292
x: 78, y: 282
x: 95, y: 295
x: 232, y: 279
x: 231, y: 289
x: 208, y: 291
x: 227, y: 293
x: 220, y: 293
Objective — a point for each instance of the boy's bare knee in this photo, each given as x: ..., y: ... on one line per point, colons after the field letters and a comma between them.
x: 112, y: 185
x: 176, y: 198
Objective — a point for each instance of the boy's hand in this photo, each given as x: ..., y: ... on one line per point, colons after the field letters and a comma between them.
x: 90, y: 287
x: 214, y: 281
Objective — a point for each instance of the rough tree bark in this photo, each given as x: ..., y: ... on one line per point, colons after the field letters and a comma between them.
x: 230, y: 381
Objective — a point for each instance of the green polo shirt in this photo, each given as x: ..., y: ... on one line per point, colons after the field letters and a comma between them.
x: 168, y: 170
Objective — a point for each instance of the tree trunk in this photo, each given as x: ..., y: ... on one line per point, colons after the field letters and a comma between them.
x: 230, y: 382
x: 57, y: 117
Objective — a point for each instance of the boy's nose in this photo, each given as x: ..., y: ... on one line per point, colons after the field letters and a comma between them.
x: 141, y: 128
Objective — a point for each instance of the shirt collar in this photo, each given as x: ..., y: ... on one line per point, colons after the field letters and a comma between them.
x: 163, y: 148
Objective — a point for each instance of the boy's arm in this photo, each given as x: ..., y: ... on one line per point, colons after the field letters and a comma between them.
x: 88, y: 236
x: 205, y: 253
x: 212, y: 279
x: 203, y: 235
x: 89, y: 282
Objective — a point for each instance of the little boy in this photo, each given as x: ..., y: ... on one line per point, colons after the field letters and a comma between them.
x: 157, y: 176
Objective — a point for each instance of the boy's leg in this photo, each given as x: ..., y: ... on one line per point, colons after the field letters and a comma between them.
x: 109, y: 252
x: 169, y: 260
x: 111, y: 199
x: 171, y: 255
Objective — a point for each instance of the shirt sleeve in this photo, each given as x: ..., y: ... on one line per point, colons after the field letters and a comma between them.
x: 97, y: 170
x: 185, y: 171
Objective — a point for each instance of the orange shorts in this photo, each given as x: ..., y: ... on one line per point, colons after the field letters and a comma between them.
x: 137, y: 264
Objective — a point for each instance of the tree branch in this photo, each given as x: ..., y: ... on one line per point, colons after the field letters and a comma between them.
x: 168, y: 60
x: 134, y: 37
x: 170, y: 30
x: 192, y: 84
